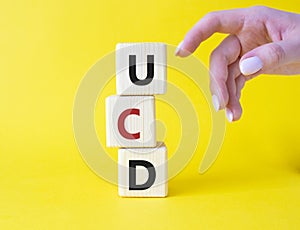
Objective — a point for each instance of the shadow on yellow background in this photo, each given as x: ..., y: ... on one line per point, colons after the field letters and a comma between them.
x: 46, y: 48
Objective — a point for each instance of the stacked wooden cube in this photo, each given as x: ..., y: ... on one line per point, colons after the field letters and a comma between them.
x: 141, y: 73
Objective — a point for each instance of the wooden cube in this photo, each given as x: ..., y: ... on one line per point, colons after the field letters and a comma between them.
x: 143, y: 172
x: 130, y: 121
x: 141, y: 68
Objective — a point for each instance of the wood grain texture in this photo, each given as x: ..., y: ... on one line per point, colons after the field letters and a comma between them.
x: 142, y: 124
x: 141, y: 50
x: 157, y: 157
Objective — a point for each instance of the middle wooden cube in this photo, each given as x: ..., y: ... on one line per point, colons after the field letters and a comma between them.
x: 130, y: 121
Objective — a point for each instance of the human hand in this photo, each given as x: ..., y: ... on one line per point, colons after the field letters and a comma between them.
x: 261, y: 40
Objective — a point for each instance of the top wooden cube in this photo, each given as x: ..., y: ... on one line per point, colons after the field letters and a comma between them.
x: 141, y: 68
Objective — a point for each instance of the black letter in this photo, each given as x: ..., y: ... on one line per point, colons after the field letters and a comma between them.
x: 132, y: 70
x: 132, y: 175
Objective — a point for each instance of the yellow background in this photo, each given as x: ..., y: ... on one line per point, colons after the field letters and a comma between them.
x: 46, y: 48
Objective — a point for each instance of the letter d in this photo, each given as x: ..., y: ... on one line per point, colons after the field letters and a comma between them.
x: 132, y: 175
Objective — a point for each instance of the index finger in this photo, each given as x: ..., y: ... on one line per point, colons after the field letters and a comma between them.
x: 226, y: 21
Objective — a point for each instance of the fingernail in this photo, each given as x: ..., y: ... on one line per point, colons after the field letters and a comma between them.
x: 251, y: 65
x: 229, y: 115
x: 178, y: 49
x: 216, y: 102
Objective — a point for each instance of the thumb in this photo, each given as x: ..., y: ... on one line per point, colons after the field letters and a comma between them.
x: 267, y: 57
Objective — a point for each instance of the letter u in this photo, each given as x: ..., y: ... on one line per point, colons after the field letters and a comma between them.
x: 132, y: 70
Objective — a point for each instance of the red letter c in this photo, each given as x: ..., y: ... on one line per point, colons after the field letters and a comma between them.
x: 121, y: 124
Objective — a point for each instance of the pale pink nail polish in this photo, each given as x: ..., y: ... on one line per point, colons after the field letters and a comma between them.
x: 216, y: 102
x: 229, y: 115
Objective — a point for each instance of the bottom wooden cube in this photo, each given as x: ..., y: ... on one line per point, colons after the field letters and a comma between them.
x: 143, y: 172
